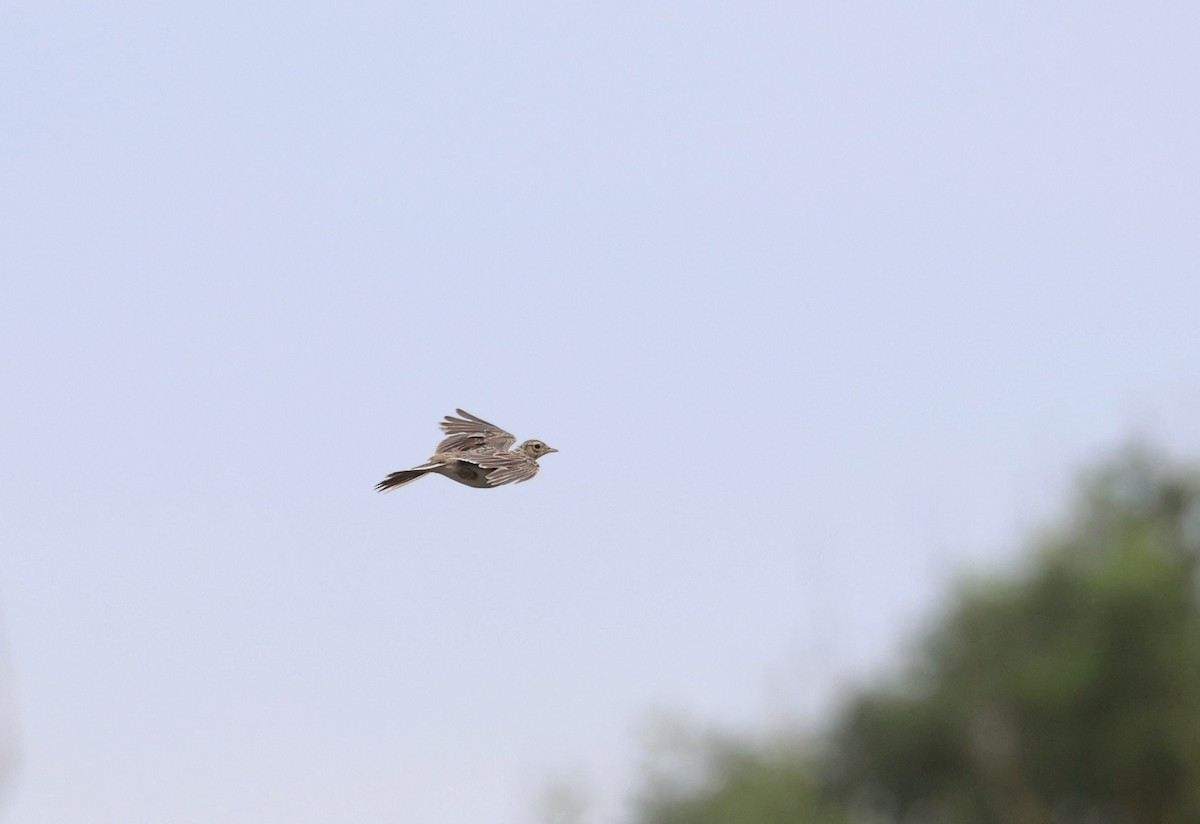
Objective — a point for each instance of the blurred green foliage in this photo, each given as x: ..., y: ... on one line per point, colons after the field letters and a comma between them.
x: 715, y: 779
x: 1068, y: 692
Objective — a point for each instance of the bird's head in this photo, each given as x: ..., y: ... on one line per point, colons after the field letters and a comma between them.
x: 535, y: 449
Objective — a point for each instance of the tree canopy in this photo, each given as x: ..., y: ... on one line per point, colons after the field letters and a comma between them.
x: 1068, y: 691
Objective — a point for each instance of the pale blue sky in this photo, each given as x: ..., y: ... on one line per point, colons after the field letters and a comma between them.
x: 822, y: 304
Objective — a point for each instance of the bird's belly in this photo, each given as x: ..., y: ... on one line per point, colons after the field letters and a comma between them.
x: 467, y: 473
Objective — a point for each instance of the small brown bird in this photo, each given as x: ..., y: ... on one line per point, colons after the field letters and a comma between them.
x: 475, y: 453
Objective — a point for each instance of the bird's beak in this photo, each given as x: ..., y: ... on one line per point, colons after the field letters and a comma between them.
x: 550, y: 449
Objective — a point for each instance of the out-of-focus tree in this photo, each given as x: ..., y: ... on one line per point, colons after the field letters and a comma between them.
x: 1065, y: 693
x: 1068, y: 693
x: 711, y: 779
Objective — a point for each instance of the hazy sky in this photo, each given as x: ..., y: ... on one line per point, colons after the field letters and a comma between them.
x: 823, y: 304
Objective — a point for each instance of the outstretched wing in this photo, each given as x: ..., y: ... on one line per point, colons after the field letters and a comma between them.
x: 469, y: 432
x: 506, y: 467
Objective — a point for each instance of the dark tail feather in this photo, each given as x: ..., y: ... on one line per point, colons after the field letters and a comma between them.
x: 399, y: 479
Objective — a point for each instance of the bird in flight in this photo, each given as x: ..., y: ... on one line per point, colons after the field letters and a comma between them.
x: 476, y: 453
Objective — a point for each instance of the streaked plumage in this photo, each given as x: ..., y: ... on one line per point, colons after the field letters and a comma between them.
x: 475, y: 453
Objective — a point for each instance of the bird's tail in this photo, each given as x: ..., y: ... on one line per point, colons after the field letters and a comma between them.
x: 399, y: 479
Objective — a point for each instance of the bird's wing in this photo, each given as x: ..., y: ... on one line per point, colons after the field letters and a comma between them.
x: 506, y: 467
x: 469, y: 433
